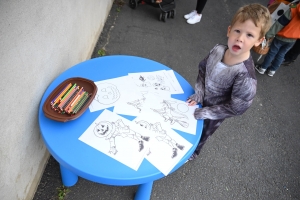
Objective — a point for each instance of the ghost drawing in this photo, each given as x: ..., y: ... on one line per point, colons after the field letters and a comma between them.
x: 107, y: 93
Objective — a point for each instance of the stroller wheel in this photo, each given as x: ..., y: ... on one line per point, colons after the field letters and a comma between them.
x: 164, y: 17
x: 133, y: 4
x: 169, y: 14
x: 172, y: 13
x: 160, y: 17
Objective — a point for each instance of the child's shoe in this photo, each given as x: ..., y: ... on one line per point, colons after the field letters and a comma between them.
x: 287, y: 63
x: 194, y: 19
x: 191, y: 14
x: 259, y: 69
x: 193, y: 157
x: 271, y: 73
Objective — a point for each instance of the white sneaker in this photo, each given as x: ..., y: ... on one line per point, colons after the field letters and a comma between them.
x: 271, y: 73
x: 194, y: 19
x: 259, y: 69
x: 191, y: 14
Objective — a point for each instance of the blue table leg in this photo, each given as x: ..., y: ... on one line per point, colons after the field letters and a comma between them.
x: 144, y: 191
x: 68, y: 178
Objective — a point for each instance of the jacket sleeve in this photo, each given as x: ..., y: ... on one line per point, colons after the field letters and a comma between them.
x: 279, y: 24
x: 200, y: 83
x: 243, y: 92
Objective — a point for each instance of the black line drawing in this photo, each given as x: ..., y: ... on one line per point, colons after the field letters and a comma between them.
x: 111, y: 130
x: 160, y: 84
x: 163, y: 137
x: 157, y: 82
x: 107, y: 93
x: 145, y: 83
x: 169, y: 113
x: 138, y: 103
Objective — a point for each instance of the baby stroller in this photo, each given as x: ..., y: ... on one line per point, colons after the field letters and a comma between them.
x: 167, y: 7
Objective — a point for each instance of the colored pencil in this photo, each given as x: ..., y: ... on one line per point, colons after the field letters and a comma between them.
x: 81, y: 104
x: 62, y: 93
x: 74, y: 99
x: 59, y: 93
x: 80, y: 101
x: 67, y: 97
x: 70, y: 99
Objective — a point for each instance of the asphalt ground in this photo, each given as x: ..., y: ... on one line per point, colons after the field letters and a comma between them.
x: 253, y: 156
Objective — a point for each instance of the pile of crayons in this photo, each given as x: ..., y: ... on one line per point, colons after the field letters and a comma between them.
x: 70, y: 100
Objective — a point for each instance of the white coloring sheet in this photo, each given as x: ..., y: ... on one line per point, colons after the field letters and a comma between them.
x: 171, y: 112
x: 117, y: 137
x: 167, y: 147
x: 134, y: 102
x: 173, y: 81
x: 110, y: 92
x: 159, y: 81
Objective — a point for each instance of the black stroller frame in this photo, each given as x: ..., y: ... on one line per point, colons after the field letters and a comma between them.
x: 167, y: 7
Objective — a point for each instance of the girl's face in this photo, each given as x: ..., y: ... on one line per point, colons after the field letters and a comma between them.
x: 242, y: 36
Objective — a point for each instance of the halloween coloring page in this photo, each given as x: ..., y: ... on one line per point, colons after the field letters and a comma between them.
x: 110, y: 92
x: 118, y: 138
x: 160, y: 81
x: 172, y: 112
x: 134, y: 102
x: 166, y: 146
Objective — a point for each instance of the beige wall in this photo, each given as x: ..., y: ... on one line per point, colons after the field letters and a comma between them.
x: 39, y: 39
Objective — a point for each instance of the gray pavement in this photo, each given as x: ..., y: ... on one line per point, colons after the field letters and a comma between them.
x: 253, y: 156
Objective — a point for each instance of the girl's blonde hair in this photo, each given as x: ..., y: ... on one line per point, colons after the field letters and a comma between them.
x: 258, y: 13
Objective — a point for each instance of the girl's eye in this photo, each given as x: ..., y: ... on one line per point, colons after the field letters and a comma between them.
x: 238, y: 31
x: 249, y: 35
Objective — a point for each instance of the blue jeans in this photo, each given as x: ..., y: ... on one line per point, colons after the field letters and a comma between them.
x: 276, y: 54
x: 293, y: 53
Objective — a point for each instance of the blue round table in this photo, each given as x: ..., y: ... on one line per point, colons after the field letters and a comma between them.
x: 78, y: 159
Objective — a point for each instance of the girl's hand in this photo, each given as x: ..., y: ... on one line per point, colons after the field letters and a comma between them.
x: 191, y: 102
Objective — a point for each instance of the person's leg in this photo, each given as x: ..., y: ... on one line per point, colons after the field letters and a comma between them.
x: 285, y: 47
x: 209, y: 127
x: 274, y: 48
x: 293, y: 53
x: 200, y: 6
x: 195, y: 16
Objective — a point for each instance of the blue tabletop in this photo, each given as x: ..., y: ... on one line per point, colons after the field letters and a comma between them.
x: 61, y: 138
